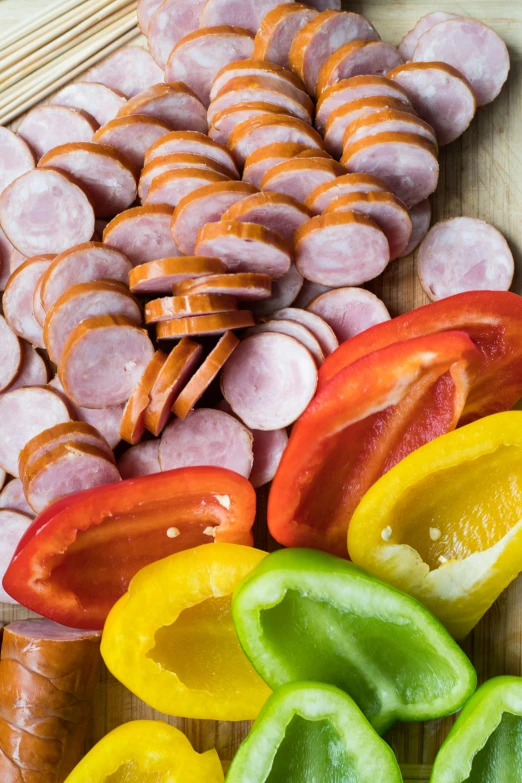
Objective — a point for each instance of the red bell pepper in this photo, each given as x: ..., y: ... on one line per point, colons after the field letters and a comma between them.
x: 78, y: 557
x: 365, y: 420
x: 493, y: 320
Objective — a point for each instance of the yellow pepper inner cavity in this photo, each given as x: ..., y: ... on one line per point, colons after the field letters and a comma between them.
x: 130, y: 772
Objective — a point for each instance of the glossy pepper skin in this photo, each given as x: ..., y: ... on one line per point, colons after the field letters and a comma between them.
x: 493, y: 320
x: 144, y: 750
x: 78, y: 557
x: 485, y: 743
x: 309, y: 731
x: 171, y: 639
x: 364, y: 421
x: 305, y: 615
x: 444, y: 524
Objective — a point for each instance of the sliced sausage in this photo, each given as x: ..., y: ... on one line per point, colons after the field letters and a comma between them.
x: 308, y: 292
x: 193, y: 143
x: 6, y: 252
x: 13, y: 525
x: 130, y: 70
x: 38, y: 309
x: 344, y: 248
x: 464, y: 254
x: 349, y: 311
x: 353, y: 89
x: 358, y: 58
x: 67, y: 468
x: 105, y: 420
x: 44, y: 211
x: 10, y: 355
x: 50, y: 126
x: 132, y: 135
x: 262, y: 159
x: 142, y: 233
x: 146, y: 9
x: 341, y: 118
x: 264, y: 88
x: 245, y: 13
x: 105, y: 174
x: 158, y: 277
x: 324, y: 194
x: 321, y: 37
x: 242, y: 285
x: 440, y: 95
x: 387, y: 121
x: 411, y: 39
x: 18, y: 299
x: 132, y: 427
x: 169, y: 23
x: 176, y: 104
x: 192, y: 391
x: 169, y: 188
x: 177, y: 371
x: 390, y: 214
x: 258, y: 68
x: 86, y: 300
x: 16, y: 259
x: 473, y: 48
x: 320, y: 329
x: 293, y: 329
x: 245, y: 247
x: 103, y: 360
x: 276, y: 211
x: 140, y: 460
x: 406, y: 162
x: 192, y: 304
x: 33, y: 369
x: 71, y: 431
x: 269, y: 380
x: 101, y: 102
x: 203, y: 324
x: 207, y: 437
x: 323, y: 5
x: 197, y: 57
x: 284, y: 293
x: 16, y: 157
x: 277, y: 31
x: 182, y: 160
x: 224, y: 122
x: 83, y: 263
x: 25, y: 413
x: 270, y: 129
x: 420, y: 216
x: 206, y: 205
x: 300, y: 176
x: 12, y: 496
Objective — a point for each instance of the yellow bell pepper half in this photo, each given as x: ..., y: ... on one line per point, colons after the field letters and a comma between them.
x: 147, y: 751
x: 171, y: 639
x: 445, y: 524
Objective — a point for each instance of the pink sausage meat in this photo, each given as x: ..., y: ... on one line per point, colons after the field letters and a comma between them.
x: 169, y: 23
x: 16, y: 157
x: 49, y: 126
x: 142, y: 233
x: 10, y: 354
x: 130, y: 70
x: 349, y: 311
x: 98, y: 100
x: 411, y: 39
x: 140, y: 460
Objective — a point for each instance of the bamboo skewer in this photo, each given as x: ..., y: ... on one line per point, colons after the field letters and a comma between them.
x: 56, y: 48
x: 21, y: 30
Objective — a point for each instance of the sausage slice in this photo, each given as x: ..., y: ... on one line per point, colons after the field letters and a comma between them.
x: 33, y: 369
x: 349, y: 311
x: 277, y: 31
x: 101, y: 102
x: 324, y: 194
x: 293, y: 329
x: 181, y: 160
x: 242, y: 285
x: 174, y: 103
x: 258, y: 68
x: 420, y: 216
x: 132, y: 135
x: 387, y: 121
x: 158, y: 277
x: 323, y: 333
x: 169, y: 23
x: 132, y: 425
x: 262, y: 159
x: 16, y: 157
x: 356, y: 58
x: 13, y: 524
x: 245, y: 13
x: 169, y: 188
x: 142, y: 233
x: 263, y: 88
x: 130, y: 70
x: 194, y: 143
x: 203, y: 324
x: 284, y: 292
x: 50, y: 126
x: 269, y: 129
x: 172, y: 378
x: 10, y: 354
x: 276, y: 211
x: 186, y: 305
x: 300, y: 176
x: 12, y: 497
x: 19, y: 298
x: 411, y: 39
x: 140, y: 460
x: 224, y: 122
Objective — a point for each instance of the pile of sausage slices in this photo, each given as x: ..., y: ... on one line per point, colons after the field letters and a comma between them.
x: 213, y: 207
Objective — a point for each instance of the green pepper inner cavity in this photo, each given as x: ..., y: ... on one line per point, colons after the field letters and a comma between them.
x: 500, y: 760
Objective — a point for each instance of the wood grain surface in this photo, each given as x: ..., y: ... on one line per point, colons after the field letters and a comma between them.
x: 481, y: 176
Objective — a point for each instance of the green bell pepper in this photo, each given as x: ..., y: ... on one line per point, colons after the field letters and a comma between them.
x: 308, y: 732
x: 485, y: 743
x: 302, y: 614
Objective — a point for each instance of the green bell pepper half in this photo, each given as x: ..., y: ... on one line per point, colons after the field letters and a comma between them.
x: 309, y: 732
x: 302, y: 614
x: 485, y: 743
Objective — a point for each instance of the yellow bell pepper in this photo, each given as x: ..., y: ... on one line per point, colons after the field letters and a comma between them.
x: 445, y: 524
x: 147, y: 751
x: 171, y: 640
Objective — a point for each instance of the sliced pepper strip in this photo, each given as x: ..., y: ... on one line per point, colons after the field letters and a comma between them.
x: 147, y: 750
x: 171, y: 640
x: 444, y: 524
x: 310, y: 731
x: 485, y: 743
x: 493, y: 320
x: 79, y: 555
x: 364, y: 421
x: 305, y: 615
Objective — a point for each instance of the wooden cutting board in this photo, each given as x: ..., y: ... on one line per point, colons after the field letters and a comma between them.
x: 481, y: 176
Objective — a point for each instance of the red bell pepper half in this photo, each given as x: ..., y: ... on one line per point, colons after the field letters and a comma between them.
x: 493, y: 320
x: 78, y: 557
x: 365, y: 420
